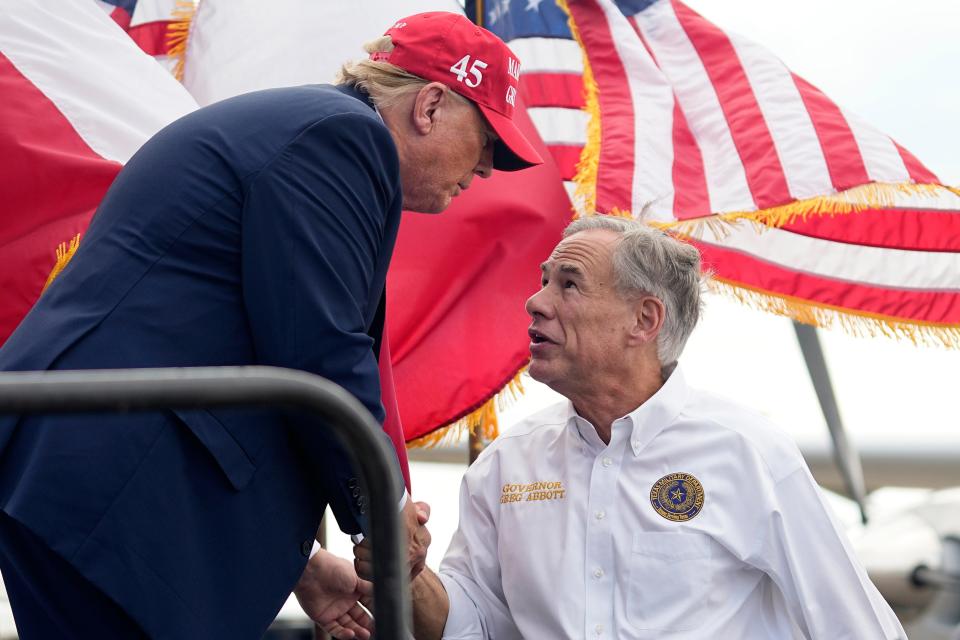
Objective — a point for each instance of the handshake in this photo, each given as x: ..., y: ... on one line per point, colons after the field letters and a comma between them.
x: 337, y: 595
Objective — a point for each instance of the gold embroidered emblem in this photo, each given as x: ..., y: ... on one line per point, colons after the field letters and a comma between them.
x: 677, y: 497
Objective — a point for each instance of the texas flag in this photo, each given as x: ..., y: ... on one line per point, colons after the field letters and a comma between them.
x: 79, y: 98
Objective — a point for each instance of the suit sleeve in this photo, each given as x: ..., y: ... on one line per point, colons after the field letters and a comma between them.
x: 314, y: 220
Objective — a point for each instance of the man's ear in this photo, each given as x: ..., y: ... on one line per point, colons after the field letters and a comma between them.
x: 649, y: 314
x: 425, y: 106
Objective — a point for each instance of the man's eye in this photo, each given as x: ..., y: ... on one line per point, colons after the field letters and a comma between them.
x: 569, y: 284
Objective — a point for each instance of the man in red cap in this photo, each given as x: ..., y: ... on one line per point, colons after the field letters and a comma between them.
x: 444, y: 87
x: 257, y: 230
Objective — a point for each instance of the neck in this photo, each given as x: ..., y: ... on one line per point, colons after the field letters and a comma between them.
x: 605, y: 403
x: 391, y: 118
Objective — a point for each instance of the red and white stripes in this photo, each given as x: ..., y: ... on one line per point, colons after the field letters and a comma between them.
x: 551, y: 84
x: 698, y: 123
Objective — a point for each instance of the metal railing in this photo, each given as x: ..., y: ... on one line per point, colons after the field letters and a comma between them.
x: 181, y: 388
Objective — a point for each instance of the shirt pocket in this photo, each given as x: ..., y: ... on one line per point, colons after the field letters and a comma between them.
x: 671, y: 576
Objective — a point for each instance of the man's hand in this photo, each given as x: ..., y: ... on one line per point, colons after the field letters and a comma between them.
x: 415, y: 516
x: 329, y: 591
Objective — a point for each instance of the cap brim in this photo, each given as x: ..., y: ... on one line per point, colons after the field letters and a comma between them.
x: 512, y: 151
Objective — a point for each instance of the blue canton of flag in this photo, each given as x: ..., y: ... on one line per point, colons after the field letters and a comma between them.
x: 633, y: 7
x: 126, y: 5
x: 512, y: 19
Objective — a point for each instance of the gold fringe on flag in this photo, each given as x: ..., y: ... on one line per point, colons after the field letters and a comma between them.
x: 178, y: 32
x: 876, y: 195
x: 585, y: 195
x: 481, y: 421
x: 856, y: 323
x: 64, y: 254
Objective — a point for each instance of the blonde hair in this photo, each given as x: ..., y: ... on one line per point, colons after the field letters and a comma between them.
x: 385, y: 83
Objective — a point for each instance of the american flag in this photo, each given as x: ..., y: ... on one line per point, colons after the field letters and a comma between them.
x: 699, y: 130
x: 551, y: 80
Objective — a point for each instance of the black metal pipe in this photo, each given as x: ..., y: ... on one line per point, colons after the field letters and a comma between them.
x: 180, y: 388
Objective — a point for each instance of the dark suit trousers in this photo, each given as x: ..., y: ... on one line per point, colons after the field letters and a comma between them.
x: 50, y: 599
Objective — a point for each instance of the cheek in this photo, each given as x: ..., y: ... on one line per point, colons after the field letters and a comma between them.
x: 464, y: 153
x: 448, y: 163
x: 591, y: 336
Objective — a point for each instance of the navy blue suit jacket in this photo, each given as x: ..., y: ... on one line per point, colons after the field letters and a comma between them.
x: 257, y: 230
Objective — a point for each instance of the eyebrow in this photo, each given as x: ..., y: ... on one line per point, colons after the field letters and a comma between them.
x: 564, y: 268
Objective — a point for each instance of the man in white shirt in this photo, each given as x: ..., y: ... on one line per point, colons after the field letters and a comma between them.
x: 640, y: 508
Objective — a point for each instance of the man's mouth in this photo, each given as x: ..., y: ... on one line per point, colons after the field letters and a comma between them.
x: 537, y: 337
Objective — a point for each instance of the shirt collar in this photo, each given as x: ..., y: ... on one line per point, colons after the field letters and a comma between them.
x: 647, y: 420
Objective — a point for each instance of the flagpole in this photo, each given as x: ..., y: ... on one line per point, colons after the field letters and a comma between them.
x: 475, y: 446
x: 845, y: 454
x: 475, y: 443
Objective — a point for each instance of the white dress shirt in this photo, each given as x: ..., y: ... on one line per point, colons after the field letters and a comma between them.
x: 560, y: 535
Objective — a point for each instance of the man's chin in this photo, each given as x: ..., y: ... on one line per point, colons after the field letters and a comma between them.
x: 539, y: 371
x: 432, y: 207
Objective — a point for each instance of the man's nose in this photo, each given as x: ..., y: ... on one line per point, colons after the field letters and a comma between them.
x: 536, y: 304
x: 484, y: 168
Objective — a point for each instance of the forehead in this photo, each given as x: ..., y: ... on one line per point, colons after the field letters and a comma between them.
x: 588, y: 252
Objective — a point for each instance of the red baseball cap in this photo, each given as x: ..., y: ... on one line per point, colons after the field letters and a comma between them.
x: 446, y: 47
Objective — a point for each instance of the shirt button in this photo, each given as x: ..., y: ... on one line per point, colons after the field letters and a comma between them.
x: 598, y: 629
x: 598, y: 573
x: 306, y: 547
x: 606, y: 462
x: 600, y: 515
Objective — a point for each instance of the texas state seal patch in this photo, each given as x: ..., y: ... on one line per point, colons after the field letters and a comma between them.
x: 678, y: 497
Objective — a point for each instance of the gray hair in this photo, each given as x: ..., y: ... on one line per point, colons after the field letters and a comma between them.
x: 650, y: 261
x: 385, y: 83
